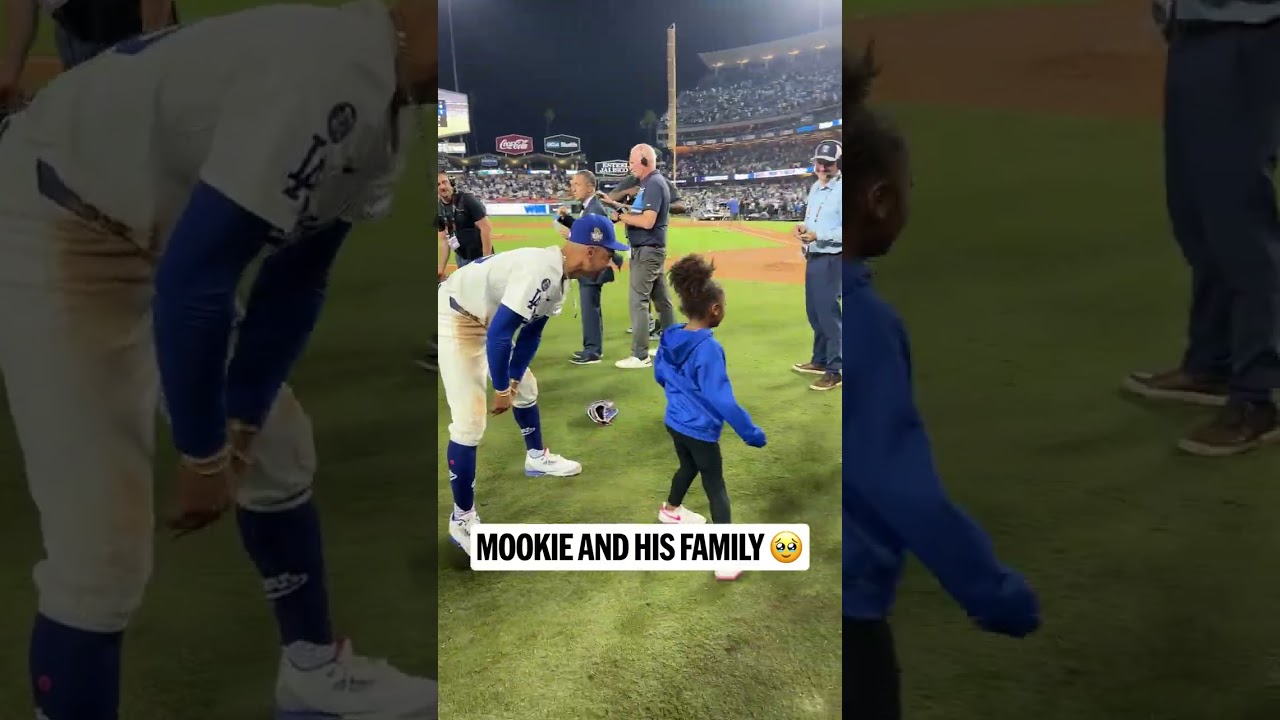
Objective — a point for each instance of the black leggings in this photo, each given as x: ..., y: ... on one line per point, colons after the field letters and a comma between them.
x: 699, y: 456
x: 872, y: 673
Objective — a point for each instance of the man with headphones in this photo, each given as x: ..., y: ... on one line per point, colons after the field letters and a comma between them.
x: 621, y: 198
x: 462, y: 225
x: 646, y: 222
x: 822, y: 238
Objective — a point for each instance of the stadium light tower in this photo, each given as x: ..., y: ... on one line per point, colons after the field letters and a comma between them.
x: 453, y: 54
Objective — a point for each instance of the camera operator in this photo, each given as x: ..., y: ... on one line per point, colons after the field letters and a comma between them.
x: 462, y: 226
x: 646, y: 222
x: 620, y: 199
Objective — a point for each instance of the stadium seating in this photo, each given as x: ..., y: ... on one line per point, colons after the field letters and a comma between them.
x: 789, y: 85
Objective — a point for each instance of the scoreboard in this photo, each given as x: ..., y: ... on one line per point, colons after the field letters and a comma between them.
x: 452, y: 114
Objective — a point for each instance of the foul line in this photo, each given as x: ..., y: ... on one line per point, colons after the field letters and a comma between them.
x: 765, y: 235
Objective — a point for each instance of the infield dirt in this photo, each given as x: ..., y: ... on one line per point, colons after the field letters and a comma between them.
x: 1103, y: 59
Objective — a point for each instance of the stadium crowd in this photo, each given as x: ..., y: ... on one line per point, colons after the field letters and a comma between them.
x: 778, y: 201
x: 515, y: 187
x: 769, y: 155
x: 784, y: 86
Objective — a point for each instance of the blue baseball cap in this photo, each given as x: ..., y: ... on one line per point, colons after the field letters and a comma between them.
x: 595, y: 231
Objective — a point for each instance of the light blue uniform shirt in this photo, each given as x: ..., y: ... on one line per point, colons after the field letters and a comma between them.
x: 825, y: 216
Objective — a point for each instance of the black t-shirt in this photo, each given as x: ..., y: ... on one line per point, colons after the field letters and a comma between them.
x: 103, y: 22
x: 459, y: 219
x: 655, y: 195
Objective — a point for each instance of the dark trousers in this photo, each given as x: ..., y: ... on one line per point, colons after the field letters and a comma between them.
x: 823, y: 280
x: 1222, y: 133
x: 871, y: 670
x: 699, y: 457
x: 73, y: 51
x: 592, y: 318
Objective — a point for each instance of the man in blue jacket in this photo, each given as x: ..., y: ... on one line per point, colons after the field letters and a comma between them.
x: 894, y: 502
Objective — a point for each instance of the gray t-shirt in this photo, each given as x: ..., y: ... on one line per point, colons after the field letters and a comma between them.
x: 656, y: 196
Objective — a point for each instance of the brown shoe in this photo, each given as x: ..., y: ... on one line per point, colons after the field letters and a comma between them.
x: 1178, y: 385
x: 1238, y: 428
x: 809, y: 368
x: 829, y: 381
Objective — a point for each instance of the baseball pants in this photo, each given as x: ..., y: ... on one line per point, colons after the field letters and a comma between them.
x: 1222, y: 134
x: 464, y: 369
x: 648, y: 264
x: 823, y: 292
x: 79, y: 368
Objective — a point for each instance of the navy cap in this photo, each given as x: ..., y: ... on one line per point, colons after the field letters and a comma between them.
x: 828, y: 150
x: 597, y: 231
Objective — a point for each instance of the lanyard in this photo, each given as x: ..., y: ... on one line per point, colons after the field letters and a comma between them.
x: 830, y: 192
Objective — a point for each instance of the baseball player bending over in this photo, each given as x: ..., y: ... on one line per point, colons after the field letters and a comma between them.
x: 134, y: 193
x: 482, y: 306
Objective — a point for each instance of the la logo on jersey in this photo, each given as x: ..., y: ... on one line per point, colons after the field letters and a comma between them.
x: 537, y: 295
x: 303, y: 180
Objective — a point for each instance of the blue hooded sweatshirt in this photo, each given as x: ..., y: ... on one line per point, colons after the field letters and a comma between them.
x: 894, y: 502
x: 691, y: 368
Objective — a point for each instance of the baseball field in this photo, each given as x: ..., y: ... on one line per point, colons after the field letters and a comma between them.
x: 675, y: 646
x: 1038, y: 271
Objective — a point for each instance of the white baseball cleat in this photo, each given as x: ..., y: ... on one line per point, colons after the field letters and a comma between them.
x: 548, y: 463
x: 350, y: 687
x: 679, y: 516
x: 460, y: 525
x: 631, y: 362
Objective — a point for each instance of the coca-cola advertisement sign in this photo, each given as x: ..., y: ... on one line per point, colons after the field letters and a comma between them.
x: 515, y: 144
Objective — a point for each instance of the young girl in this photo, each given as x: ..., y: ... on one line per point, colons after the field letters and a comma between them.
x: 691, y: 369
x: 894, y: 502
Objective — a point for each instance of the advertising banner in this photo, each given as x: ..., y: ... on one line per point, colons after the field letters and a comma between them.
x: 562, y: 145
x: 515, y: 144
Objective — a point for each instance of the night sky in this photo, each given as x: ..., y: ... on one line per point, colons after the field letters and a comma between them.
x: 598, y: 64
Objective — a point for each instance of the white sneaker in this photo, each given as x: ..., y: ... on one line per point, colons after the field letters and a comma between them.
x: 728, y: 575
x: 350, y: 687
x: 548, y: 463
x: 631, y: 362
x: 679, y: 516
x: 460, y: 525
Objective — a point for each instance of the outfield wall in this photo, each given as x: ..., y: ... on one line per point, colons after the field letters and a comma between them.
x: 509, y: 209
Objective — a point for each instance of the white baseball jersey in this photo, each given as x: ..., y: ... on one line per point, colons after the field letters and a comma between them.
x: 287, y: 110
x: 530, y: 281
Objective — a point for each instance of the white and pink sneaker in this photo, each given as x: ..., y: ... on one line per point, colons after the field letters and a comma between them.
x: 679, y: 516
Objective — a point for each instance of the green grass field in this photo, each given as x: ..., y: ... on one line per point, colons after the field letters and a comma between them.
x: 700, y: 237
x: 676, y: 646
x: 1030, y: 288
x: 203, y: 647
